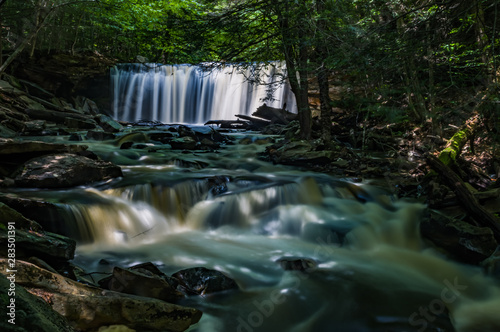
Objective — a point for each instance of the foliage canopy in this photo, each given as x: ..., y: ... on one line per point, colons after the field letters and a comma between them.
x: 403, y: 56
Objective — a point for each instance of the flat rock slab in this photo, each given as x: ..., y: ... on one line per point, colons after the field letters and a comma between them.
x: 64, y: 170
x: 9, y: 147
x: 29, y: 313
x: 87, y: 307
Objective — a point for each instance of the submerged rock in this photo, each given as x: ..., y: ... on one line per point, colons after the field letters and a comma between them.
x: 64, y: 170
x: 297, y: 264
x: 87, y: 308
x: 202, y: 281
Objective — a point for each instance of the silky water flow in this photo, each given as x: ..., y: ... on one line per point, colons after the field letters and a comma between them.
x: 373, y: 273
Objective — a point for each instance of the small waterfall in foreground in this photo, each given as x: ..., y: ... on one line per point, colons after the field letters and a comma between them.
x: 188, y: 94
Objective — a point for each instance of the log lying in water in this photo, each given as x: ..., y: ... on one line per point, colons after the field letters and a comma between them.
x: 256, y: 122
x: 229, y: 124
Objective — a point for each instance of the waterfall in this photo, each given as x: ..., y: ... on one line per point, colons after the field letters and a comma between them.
x: 189, y: 94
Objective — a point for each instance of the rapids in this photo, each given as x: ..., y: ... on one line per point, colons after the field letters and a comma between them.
x: 238, y: 215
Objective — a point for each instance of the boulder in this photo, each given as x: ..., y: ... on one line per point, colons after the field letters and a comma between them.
x: 202, y: 281
x: 143, y: 281
x: 30, y: 239
x: 87, y: 308
x: 64, y: 170
x: 30, y: 313
x: 50, y: 216
x: 108, y: 124
x: 463, y: 241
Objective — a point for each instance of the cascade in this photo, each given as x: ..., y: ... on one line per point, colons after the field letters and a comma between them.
x: 189, y: 94
x: 374, y: 272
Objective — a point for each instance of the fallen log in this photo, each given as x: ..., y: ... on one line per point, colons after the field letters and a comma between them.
x: 275, y: 115
x: 255, y: 121
x: 482, y: 216
x: 231, y: 124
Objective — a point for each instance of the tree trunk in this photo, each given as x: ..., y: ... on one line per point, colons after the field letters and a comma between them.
x: 416, y: 101
x: 482, y: 39
x: 18, y: 50
x: 322, y: 77
x: 296, y: 56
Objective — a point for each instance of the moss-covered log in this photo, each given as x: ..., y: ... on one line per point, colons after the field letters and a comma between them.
x: 457, y: 142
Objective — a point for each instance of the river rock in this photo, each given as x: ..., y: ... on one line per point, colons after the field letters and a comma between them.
x: 44, y: 213
x: 465, y: 242
x: 31, y: 312
x: 64, y: 170
x: 299, y: 153
x: 75, y: 123
x: 202, y: 281
x: 31, y: 240
x: 7, y: 132
x: 297, y: 264
x: 34, y: 127
x: 183, y: 143
x: 108, y: 124
x: 99, y: 135
x: 87, y: 308
x: 142, y: 281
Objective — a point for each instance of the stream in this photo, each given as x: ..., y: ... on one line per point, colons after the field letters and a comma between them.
x: 229, y: 211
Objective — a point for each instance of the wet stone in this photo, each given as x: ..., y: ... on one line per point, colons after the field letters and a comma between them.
x: 297, y: 264
x: 142, y: 281
x: 201, y: 281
